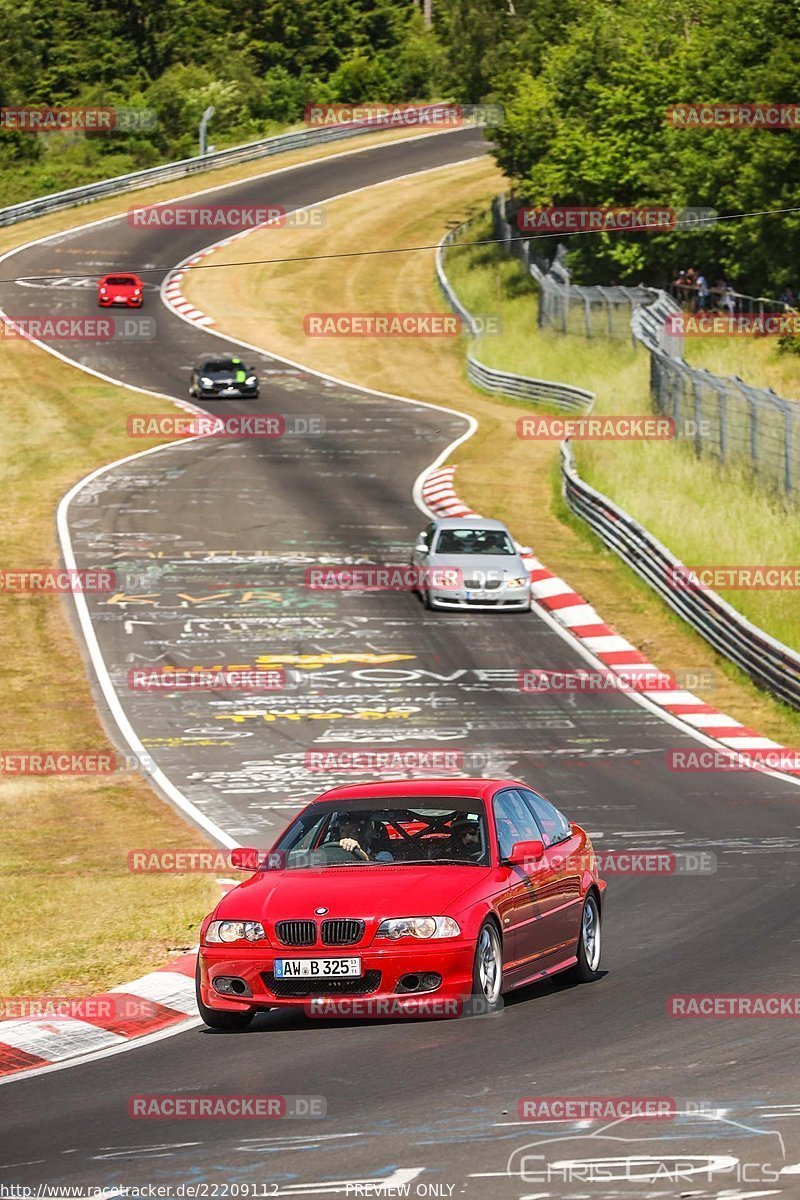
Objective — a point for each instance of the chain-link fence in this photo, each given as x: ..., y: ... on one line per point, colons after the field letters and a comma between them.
x: 565, y: 306
x: 724, y: 417
x: 730, y: 419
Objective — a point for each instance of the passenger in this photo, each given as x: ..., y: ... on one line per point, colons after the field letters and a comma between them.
x: 466, y: 844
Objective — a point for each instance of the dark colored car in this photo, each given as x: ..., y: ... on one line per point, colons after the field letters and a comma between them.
x: 223, y: 379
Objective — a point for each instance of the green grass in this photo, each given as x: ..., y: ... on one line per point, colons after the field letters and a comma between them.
x: 703, y: 512
x: 758, y: 361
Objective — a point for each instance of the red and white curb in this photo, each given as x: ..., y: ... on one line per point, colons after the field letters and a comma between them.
x: 174, y: 297
x: 581, y: 621
x: 108, y: 1019
x: 172, y: 289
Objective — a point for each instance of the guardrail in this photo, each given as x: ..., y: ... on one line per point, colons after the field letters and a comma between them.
x: 768, y: 662
x: 525, y: 387
x: 135, y: 180
x: 506, y: 383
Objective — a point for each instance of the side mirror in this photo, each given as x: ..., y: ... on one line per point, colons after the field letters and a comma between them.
x: 525, y: 854
x: 245, y: 858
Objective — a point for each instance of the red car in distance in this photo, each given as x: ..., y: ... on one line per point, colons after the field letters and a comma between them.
x: 417, y: 897
x: 122, y: 288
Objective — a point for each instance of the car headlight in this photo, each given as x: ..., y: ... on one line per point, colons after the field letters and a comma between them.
x: 103, y: 291
x: 418, y: 927
x: 206, y: 382
x: 251, y: 381
x: 235, y: 931
x: 517, y: 581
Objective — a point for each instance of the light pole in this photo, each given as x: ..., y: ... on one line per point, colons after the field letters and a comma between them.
x: 207, y: 115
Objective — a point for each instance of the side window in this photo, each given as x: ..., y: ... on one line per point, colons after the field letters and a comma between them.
x: 514, y: 820
x: 554, y: 825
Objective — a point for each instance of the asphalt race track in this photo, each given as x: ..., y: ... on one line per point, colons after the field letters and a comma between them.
x: 211, y: 541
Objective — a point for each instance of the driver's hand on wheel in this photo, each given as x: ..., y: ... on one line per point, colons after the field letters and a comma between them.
x: 352, y: 845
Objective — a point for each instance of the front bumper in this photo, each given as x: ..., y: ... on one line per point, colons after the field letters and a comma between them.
x: 488, y: 600
x: 367, y: 995
x: 236, y: 392
x: 119, y: 302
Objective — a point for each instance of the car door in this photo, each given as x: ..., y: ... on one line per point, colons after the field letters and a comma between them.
x: 521, y: 909
x: 559, y: 890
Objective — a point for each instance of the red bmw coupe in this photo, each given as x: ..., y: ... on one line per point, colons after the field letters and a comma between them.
x: 423, y: 897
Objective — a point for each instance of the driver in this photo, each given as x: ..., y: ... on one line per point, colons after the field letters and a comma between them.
x: 354, y: 834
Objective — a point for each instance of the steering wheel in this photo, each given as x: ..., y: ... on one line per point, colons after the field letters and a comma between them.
x: 335, y: 853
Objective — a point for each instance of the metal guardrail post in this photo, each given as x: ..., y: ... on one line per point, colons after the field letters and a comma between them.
x: 770, y: 663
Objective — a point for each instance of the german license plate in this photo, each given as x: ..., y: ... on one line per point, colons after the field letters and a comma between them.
x: 317, y: 968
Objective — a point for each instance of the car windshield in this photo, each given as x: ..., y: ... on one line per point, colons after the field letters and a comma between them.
x: 223, y: 364
x: 440, y: 831
x: 474, y: 541
x: 121, y: 281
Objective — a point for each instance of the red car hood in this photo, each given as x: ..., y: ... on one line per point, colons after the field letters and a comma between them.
x: 367, y: 892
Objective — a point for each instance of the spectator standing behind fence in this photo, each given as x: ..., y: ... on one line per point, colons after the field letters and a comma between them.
x: 788, y: 298
x: 727, y: 297
x: 679, y: 284
x: 703, y: 295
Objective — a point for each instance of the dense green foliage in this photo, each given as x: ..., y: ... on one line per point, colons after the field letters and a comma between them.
x: 258, y: 62
x: 585, y: 85
x: 586, y: 125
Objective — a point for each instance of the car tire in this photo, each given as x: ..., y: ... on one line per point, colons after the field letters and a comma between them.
x: 215, y: 1018
x: 426, y: 600
x: 487, y: 970
x: 590, y: 944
